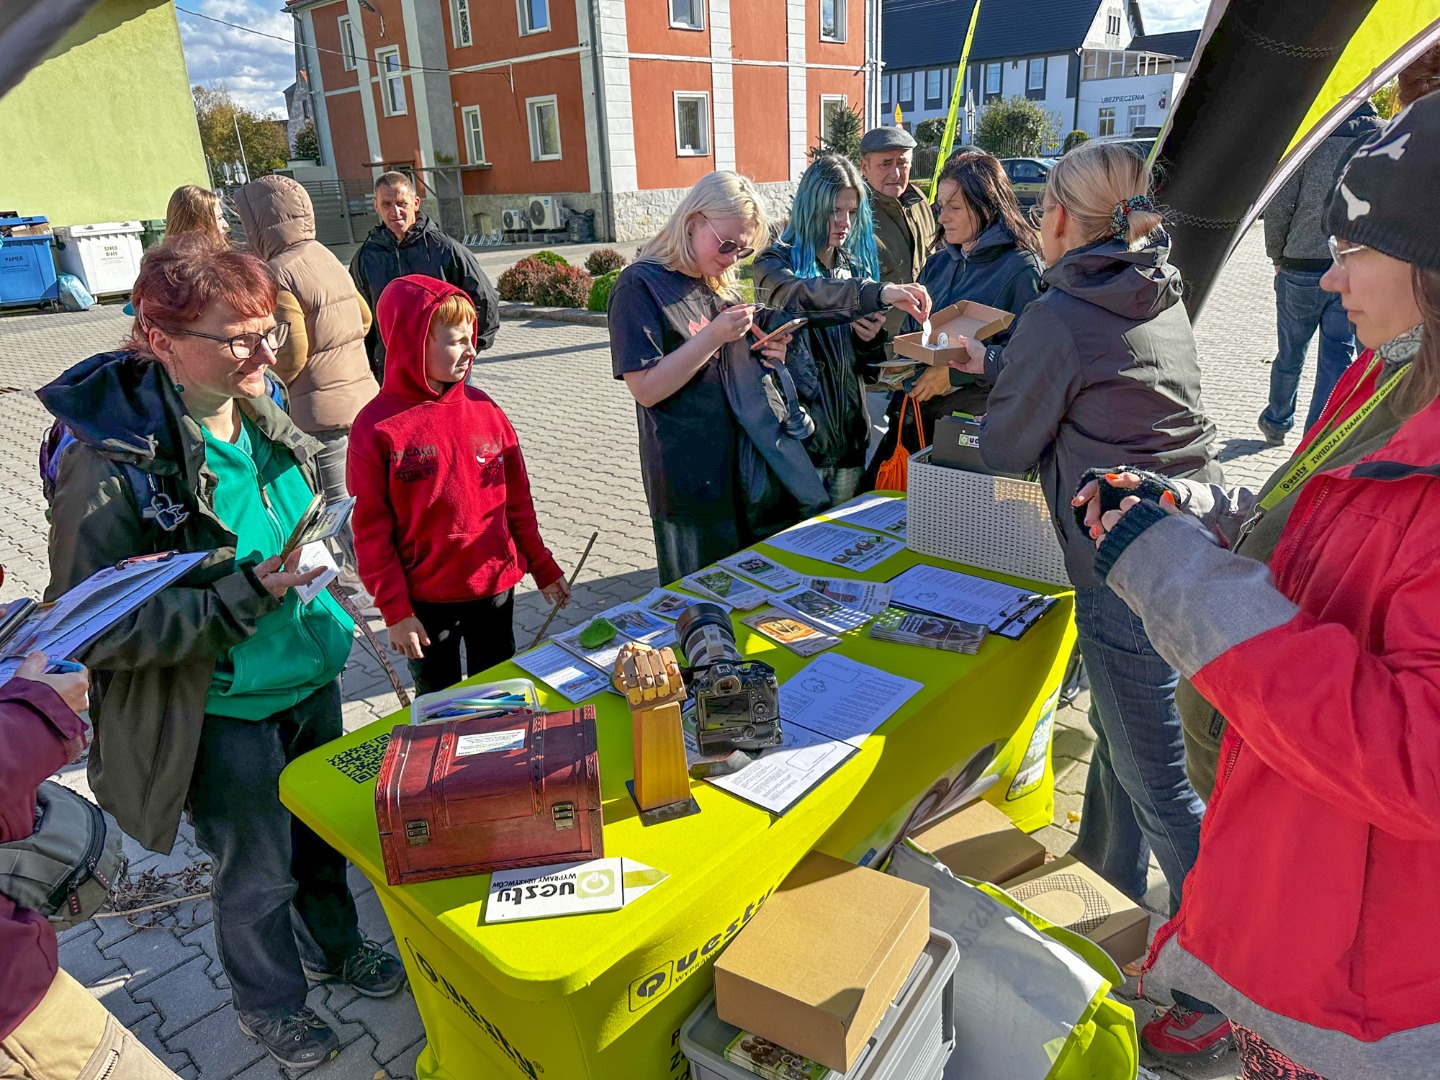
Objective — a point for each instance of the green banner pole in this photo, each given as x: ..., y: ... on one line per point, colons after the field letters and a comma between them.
x: 955, y: 98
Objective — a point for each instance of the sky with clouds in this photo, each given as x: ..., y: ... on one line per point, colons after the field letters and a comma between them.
x: 256, y: 70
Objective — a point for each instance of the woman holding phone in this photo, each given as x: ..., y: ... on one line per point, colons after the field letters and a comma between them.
x: 211, y: 687
x: 719, y: 470
x: 825, y: 268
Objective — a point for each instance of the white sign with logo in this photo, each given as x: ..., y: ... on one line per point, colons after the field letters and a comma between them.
x: 542, y: 892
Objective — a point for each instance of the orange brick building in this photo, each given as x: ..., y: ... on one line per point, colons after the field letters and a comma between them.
x: 610, y: 106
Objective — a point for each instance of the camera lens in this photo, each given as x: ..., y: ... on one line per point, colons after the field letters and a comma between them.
x: 706, y: 636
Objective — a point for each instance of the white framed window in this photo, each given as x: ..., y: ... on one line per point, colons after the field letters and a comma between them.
x: 907, y: 87
x: 460, y: 22
x: 832, y: 20
x: 687, y: 14
x: 1035, y: 79
x: 992, y: 78
x: 1135, y: 117
x: 392, y: 81
x: 1115, y: 65
x: 1107, y: 121
x: 932, y: 85
x: 830, y: 105
x: 885, y: 91
x: 347, y: 44
x: 544, y: 114
x: 1112, y: 23
x: 692, y: 123
x: 474, y: 136
x: 534, y: 16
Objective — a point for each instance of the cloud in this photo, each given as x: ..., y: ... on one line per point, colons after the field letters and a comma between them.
x: 1163, y: 16
x: 256, y: 70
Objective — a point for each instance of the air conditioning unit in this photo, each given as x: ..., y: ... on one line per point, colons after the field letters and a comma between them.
x: 546, y: 213
x: 514, y: 221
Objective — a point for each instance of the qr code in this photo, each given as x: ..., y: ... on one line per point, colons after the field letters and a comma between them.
x: 361, y: 762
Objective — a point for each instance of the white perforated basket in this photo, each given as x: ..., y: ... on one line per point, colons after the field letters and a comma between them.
x: 991, y: 522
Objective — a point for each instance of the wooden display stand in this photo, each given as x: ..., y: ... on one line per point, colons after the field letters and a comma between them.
x: 650, y: 680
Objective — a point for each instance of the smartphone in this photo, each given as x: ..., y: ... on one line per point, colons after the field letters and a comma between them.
x: 320, y: 521
x: 789, y: 328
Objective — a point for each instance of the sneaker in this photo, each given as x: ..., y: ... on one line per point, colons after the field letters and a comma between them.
x: 370, y: 971
x: 1180, y: 1034
x: 297, y: 1042
x: 1273, y: 436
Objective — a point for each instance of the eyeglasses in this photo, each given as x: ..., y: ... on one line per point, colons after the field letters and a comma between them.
x: 1035, y: 214
x: 1339, y: 254
x: 244, y: 346
x: 730, y: 247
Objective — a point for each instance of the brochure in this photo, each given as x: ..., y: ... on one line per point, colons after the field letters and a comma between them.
x: 841, y: 547
x: 668, y: 604
x: 718, y: 583
x: 879, y: 512
x: 573, y: 679
x: 758, y: 568
x: 781, y: 776
x: 540, y: 892
x: 1005, y: 609
x: 843, y: 699
x: 819, y: 609
x: 795, y: 634
x: 871, y: 597
x: 932, y: 631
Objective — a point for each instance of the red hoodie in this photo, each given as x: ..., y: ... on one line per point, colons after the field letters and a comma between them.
x: 442, y: 503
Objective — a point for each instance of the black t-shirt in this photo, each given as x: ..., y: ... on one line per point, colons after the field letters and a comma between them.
x: 687, y: 441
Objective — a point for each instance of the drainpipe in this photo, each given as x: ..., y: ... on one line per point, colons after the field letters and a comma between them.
x: 607, y: 198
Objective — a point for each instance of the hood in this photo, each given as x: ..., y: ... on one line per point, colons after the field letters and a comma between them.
x: 123, y: 405
x: 419, y: 233
x: 403, y: 313
x: 1362, y: 121
x: 1137, y: 285
x: 989, y: 245
x: 276, y: 213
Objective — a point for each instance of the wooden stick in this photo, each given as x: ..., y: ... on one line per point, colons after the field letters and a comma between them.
x: 573, y: 575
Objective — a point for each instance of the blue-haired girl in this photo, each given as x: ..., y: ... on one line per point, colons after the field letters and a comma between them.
x: 824, y: 268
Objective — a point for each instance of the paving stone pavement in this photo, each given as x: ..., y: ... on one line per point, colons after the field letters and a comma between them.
x: 578, y: 430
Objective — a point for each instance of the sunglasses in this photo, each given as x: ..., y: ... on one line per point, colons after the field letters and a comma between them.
x: 730, y: 247
x: 1035, y: 214
x: 1339, y: 254
x: 244, y: 346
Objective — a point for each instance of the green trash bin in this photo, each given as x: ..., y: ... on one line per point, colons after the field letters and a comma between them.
x: 154, y: 233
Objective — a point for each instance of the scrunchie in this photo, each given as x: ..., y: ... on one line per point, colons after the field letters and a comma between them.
x: 1121, y: 217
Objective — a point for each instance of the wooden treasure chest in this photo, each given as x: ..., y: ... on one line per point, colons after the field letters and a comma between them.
x: 472, y: 796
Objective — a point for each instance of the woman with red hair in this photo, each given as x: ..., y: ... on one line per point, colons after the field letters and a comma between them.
x: 204, y: 694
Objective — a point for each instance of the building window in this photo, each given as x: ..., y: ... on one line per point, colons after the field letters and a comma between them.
x: 534, y: 17
x: 347, y: 44
x: 1036, y: 79
x: 992, y: 78
x: 832, y: 20
x: 474, y: 137
x: 392, y: 81
x: 1115, y: 67
x: 830, y: 106
x: 692, y: 124
x: 907, y: 88
x: 1135, y: 117
x: 1107, y: 121
x: 687, y: 14
x: 544, y: 113
x: 885, y: 91
x: 1112, y: 23
x: 932, y: 88
x: 460, y: 22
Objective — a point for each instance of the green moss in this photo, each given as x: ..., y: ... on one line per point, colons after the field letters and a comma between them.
x: 598, y: 633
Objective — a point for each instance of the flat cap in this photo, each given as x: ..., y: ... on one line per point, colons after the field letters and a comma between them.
x: 886, y: 138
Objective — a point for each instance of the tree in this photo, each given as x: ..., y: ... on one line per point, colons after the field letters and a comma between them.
x: 265, y: 146
x: 307, y: 143
x: 930, y: 132
x: 842, y: 136
x: 1074, y: 139
x: 1017, y: 127
x: 1387, y: 99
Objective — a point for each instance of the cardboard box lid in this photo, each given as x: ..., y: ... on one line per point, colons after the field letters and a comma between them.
x: 967, y: 318
x: 979, y: 841
x: 818, y: 965
x: 1070, y: 894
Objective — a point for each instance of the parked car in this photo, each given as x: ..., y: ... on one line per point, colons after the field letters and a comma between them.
x: 1028, y: 176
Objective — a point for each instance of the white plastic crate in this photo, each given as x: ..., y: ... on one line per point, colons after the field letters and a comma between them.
x: 989, y: 522
x: 106, y: 258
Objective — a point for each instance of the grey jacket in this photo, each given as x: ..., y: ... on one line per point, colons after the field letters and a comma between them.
x: 1100, y: 370
x: 1295, y: 233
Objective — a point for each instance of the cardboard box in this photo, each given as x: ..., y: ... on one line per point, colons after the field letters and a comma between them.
x: 965, y: 319
x: 821, y: 961
x: 1070, y: 894
x: 979, y: 841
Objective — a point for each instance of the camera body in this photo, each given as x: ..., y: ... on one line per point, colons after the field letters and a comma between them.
x: 737, y: 701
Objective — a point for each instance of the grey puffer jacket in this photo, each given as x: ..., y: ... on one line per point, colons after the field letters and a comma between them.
x: 1101, y: 369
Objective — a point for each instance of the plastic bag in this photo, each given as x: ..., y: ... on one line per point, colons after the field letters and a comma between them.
x: 73, y: 294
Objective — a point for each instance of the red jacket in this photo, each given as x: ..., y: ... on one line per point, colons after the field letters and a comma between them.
x: 1308, y: 913
x: 38, y: 734
x: 442, y: 501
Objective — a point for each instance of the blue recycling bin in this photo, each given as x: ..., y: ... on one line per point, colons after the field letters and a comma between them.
x: 27, y: 267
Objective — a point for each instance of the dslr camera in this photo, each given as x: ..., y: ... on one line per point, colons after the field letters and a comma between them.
x: 737, y: 701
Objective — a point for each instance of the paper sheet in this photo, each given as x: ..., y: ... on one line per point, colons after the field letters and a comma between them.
x: 805, y: 603
x: 1003, y: 608
x: 573, y: 679
x: 877, y: 512
x: 541, y: 892
x: 841, y: 547
x: 842, y: 699
x: 871, y: 597
x: 781, y: 776
x: 602, y: 657
x: 717, y: 583
x: 637, y: 624
x: 312, y: 555
x: 668, y: 604
x: 795, y: 634
x: 756, y: 567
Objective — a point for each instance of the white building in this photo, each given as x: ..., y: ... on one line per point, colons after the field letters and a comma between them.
x: 1121, y: 90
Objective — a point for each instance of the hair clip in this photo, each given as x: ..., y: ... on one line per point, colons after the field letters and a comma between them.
x: 1121, y: 216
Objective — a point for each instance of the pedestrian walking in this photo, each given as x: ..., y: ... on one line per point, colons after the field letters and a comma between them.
x: 1302, y: 617
x: 212, y: 686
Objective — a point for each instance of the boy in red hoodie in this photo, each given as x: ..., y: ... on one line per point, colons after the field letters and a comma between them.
x: 444, y: 524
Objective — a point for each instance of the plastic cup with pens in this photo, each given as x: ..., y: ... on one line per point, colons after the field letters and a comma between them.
x: 479, y: 701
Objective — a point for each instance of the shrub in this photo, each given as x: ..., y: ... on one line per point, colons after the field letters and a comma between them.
x: 604, y: 260
x: 520, y: 281
x: 563, y: 286
x: 1017, y: 127
x: 1074, y: 139
x: 551, y: 258
x: 600, y: 291
x: 928, y: 133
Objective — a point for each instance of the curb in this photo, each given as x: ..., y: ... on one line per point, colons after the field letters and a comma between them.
x: 510, y: 309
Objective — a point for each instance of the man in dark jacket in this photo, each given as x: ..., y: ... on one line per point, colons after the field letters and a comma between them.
x: 1298, y: 246
x: 407, y: 242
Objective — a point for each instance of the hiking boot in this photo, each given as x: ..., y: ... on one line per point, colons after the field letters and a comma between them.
x: 370, y: 971
x: 297, y: 1042
x: 1273, y: 436
x: 1180, y: 1034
